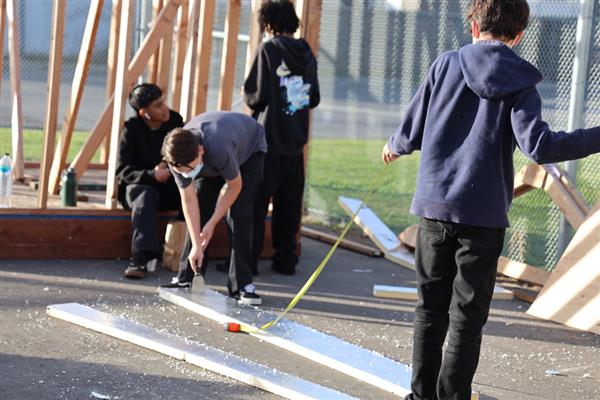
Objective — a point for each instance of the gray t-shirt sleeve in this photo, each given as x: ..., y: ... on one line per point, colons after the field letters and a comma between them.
x: 179, y: 179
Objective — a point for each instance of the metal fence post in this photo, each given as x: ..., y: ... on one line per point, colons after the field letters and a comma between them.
x: 585, y: 24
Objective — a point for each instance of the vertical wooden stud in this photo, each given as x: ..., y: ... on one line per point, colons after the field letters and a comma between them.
x: 110, y: 67
x: 79, y: 79
x: 179, y: 56
x: 121, y: 89
x: 189, y: 63
x: 254, y: 41
x: 228, y: 59
x: 207, y: 15
x: 164, y: 60
x: 154, y: 63
x: 54, y: 67
x: 15, y: 83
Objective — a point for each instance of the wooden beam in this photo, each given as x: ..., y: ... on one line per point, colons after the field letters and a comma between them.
x: 190, y: 60
x: 228, y: 59
x: 54, y: 67
x: 309, y: 12
x: 79, y: 79
x: 561, y: 176
x: 345, y: 244
x: 111, y: 62
x: 410, y: 293
x: 120, y: 99
x: 2, y: 29
x: 253, y: 42
x: 12, y: 14
x: 164, y: 60
x: 522, y: 271
x: 572, y: 293
x: 136, y: 66
x: 179, y: 56
x: 207, y: 15
x: 154, y: 62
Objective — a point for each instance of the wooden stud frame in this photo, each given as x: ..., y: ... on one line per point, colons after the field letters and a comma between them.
x: 54, y: 67
x: 15, y: 83
x: 136, y: 66
x: 179, y: 56
x: 185, y: 108
x: 79, y: 79
x: 232, y: 28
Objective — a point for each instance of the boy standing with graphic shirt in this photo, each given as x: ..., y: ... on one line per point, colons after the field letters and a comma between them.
x: 281, y: 88
x: 474, y: 108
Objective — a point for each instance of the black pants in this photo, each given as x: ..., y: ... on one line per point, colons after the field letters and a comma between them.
x: 456, y: 271
x: 283, y: 180
x: 145, y: 201
x: 240, y: 224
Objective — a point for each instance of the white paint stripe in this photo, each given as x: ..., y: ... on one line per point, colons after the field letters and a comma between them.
x: 203, y: 356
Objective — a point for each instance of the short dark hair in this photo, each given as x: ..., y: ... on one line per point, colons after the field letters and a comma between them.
x: 501, y: 18
x: 180, y: 147
x: 143, y: 95
x: 279, y: 16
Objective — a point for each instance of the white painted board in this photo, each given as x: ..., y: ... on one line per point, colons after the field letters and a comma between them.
x: 227, y: 364
x: 410, y: 293
x: 355, y: 361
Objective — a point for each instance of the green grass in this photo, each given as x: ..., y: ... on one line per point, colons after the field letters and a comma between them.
x: 33, y: 143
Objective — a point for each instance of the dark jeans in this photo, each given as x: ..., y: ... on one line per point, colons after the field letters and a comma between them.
x: 239, y: 224
x: 145, y: 201
x: 283, y: 179
x: 456, y: 271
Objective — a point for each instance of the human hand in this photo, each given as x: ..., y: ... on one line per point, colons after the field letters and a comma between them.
x: 161, y: 175
x: 386, y: 154
x: 206, y: 234
x: 195, y: 257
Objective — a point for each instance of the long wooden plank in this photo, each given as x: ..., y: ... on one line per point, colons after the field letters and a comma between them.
x: 120, y: 99
x: 79, y: 79
x: 521, y: 271
x: 164, y: 60
x: 345, y: 243
x: 572, y: 293
x: 410, y: 293
x: 154, y: 62
x: 111, y: 63
x: 202, y: 67
x: 136, y: 66
x: 54, y: 67
x: 12, y: 16
x: 379, y: 233
x: 255, y: 38
x: 191, y: 59
x: 228, y: 59
x: 179, y: 55
x: 201, y: 355
x: 365, y: 365
x: 2, y: 29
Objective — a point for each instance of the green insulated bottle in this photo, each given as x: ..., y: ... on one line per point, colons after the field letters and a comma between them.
x: 68, y: 188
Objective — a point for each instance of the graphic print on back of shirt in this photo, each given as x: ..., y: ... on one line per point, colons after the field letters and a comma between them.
x: 295, y: 94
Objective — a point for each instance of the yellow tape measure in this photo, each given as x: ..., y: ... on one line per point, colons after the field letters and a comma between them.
x: 315, y: 275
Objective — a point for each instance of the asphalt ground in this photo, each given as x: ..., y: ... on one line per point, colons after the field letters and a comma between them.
x: 45, y: 358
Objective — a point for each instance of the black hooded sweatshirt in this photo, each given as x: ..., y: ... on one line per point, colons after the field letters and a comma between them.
x: 280, y: 89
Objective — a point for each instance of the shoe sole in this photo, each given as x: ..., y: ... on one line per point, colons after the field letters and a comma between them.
x: 251, y: 302
x: 134, y: 275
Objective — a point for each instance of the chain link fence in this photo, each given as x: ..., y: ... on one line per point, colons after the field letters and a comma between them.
x: 374, y: 54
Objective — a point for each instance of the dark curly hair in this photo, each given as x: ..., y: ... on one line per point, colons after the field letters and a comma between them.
x: 143, y: 95
x: 503, y: 19
x: 279, y: 16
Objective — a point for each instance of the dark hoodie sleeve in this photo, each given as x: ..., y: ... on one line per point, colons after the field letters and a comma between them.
x: 409, y: 135
x: 541, y: 144
x: 127, y: 170
x: 256, y: 86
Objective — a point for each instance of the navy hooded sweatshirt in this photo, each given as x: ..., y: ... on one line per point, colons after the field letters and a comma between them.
x: 475, y: 107
x: 281, y: 87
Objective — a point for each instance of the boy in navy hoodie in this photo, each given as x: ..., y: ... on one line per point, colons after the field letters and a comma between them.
x: 474, y: 108
x: 281, y: 88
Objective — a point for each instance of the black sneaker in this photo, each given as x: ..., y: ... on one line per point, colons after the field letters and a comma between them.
x: 135, y: 271
x: 175, y: 284
x: 249, y: 298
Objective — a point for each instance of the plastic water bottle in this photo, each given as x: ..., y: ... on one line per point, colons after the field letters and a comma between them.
x: 5, y: 180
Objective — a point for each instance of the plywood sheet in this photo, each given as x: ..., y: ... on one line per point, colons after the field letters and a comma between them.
x: 410, y: 293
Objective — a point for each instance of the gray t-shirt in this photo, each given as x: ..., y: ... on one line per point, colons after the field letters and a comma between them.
x: 229, y: 140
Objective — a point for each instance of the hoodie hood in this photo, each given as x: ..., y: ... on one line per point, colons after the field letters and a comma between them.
x: 492, y: 70
x: 295, y: 52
